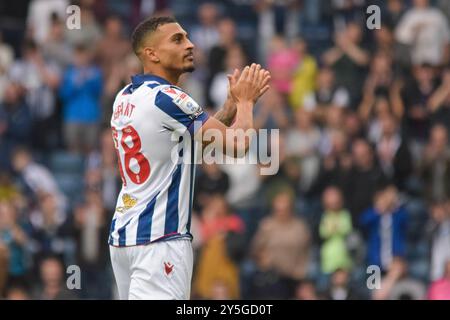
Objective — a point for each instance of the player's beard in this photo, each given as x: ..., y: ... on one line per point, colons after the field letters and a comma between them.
x: 190, y: 68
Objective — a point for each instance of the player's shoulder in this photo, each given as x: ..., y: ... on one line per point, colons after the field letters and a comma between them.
x: 169, y: 90
x: 126, y: 90
x: 162, y: 92
x: 174, y: 97
x: 150, y: 83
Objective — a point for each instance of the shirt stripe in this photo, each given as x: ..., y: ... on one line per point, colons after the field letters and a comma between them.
x: 122, y: 234
x: 191, y: 185
x: 145, y: 222
x: 171, y: 224
x: 113, y: 227
x: 165, y: 103
x: 198, y: 123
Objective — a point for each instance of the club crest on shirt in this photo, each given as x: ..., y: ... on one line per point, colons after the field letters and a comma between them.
x: 168, y: 268
x: 128, y: 202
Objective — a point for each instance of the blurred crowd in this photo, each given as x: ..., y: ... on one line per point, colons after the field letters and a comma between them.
x: 363, y: 117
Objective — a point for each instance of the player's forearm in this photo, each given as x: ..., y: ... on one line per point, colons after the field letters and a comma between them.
x: 227, y: 113
x: 235, y: 139
x: 243, y: 112
x: 244, y: 122
x: 244, y: 116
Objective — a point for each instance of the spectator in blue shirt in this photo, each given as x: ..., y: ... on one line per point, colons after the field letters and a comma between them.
x: 385, y: 226
x: 80, y: 92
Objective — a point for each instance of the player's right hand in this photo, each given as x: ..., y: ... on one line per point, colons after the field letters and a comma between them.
x: 252, y: 83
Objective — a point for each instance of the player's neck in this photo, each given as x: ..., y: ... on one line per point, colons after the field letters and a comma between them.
x: 172, y: 78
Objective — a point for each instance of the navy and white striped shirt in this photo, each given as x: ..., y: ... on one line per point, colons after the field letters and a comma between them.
x: 152, y: 126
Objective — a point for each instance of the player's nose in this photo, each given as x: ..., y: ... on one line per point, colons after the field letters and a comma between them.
x: 189, y: 45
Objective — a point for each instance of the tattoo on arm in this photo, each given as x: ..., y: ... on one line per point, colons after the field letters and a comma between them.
x: 227, y: 113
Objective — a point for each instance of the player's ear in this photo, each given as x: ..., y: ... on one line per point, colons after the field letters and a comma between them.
x: 151, y: 54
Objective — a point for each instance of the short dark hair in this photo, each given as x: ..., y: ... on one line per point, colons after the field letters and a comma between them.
x: 148, y: 26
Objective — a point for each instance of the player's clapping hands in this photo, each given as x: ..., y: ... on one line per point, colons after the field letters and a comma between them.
x: 249, y: 85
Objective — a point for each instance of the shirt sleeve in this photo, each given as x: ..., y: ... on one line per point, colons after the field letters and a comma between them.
x: 183, y: 113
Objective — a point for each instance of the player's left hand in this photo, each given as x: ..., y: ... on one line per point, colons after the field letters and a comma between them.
x: 262, y: 75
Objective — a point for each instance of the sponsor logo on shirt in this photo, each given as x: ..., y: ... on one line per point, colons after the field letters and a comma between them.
x: 168, y: 268
x: 128, y: 202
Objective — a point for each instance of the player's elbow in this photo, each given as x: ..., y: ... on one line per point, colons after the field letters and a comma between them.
x: 238, y: 147
x: 242, y: 149
x: 237, y: 153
